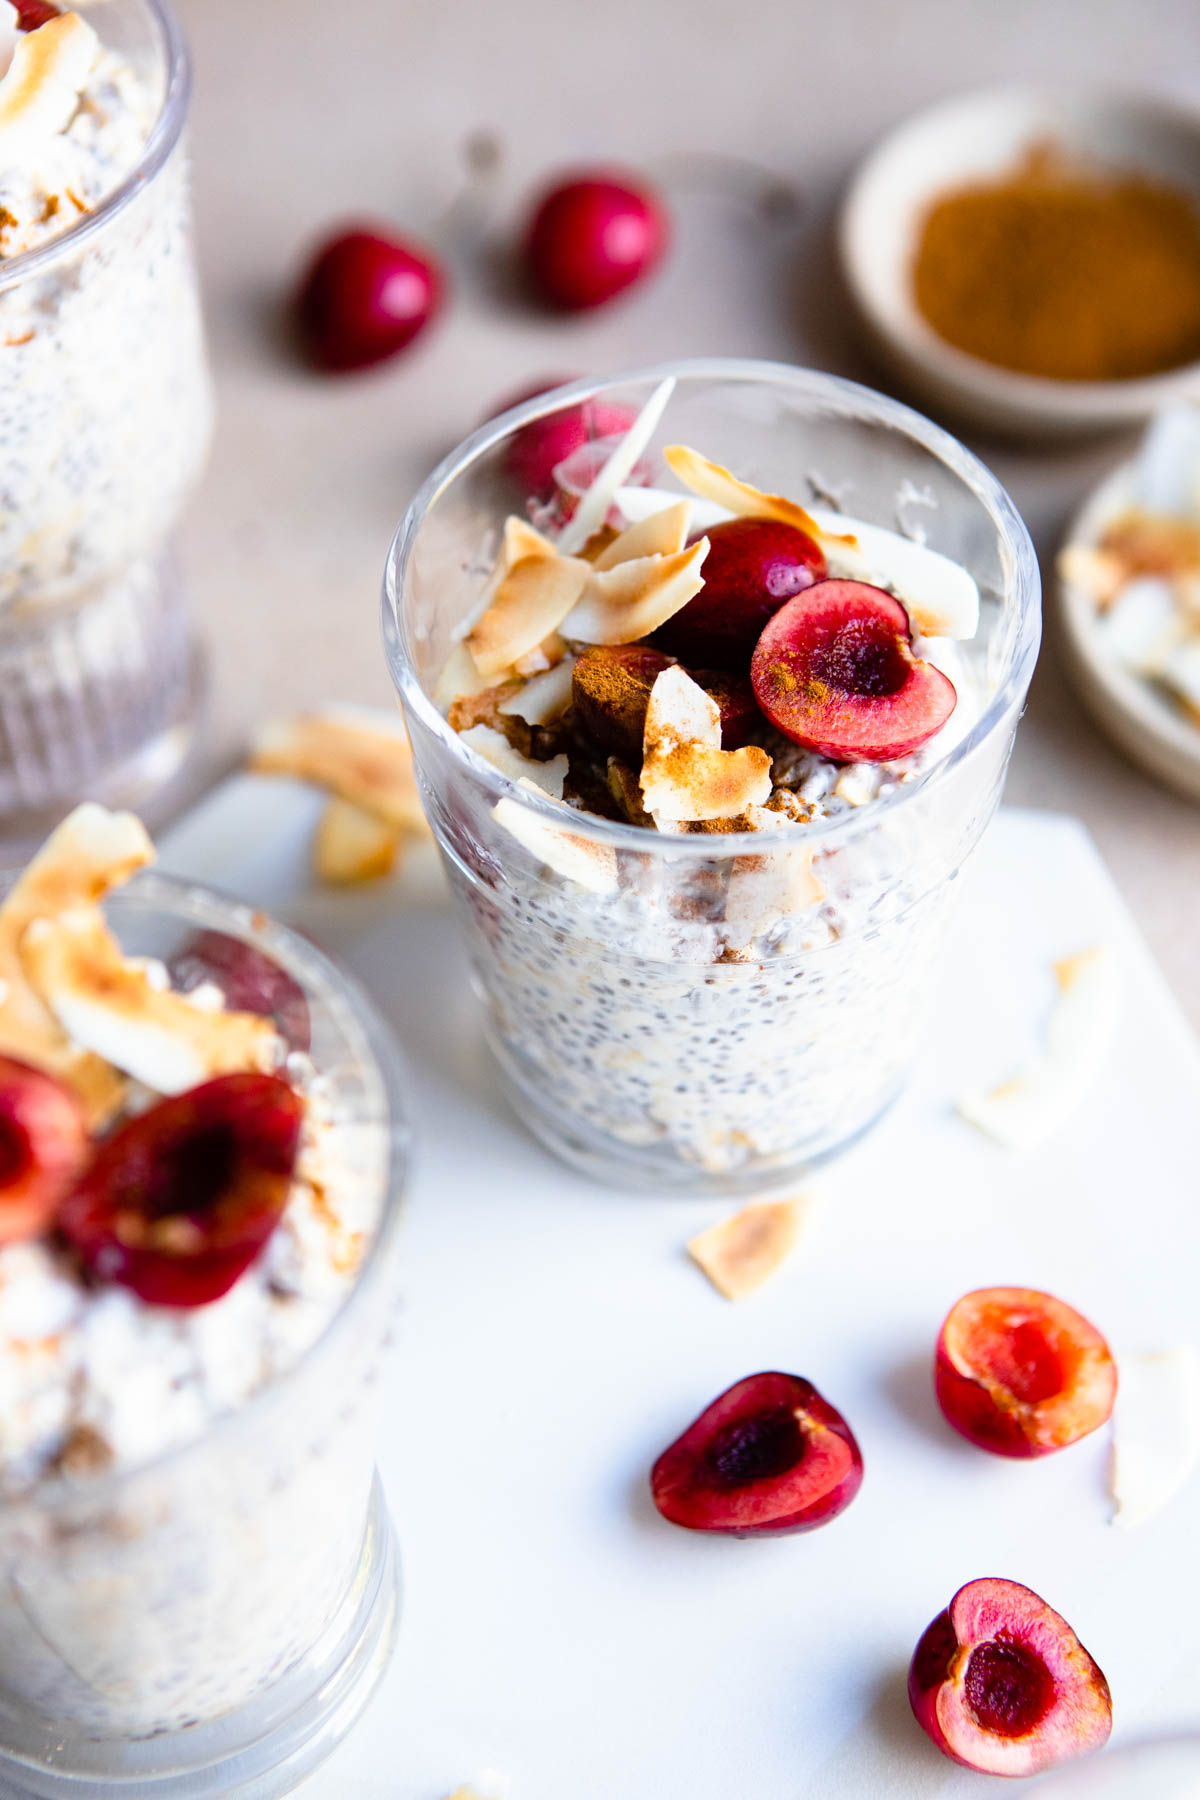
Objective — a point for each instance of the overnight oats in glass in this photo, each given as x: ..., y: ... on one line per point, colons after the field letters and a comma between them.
x: 105, y: 404
x: 203, y: 1156
x: 706, y: 718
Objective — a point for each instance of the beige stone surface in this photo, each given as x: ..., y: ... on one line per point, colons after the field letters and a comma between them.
x: 307, y: 114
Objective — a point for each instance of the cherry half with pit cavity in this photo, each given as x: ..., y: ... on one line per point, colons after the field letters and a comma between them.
x: 44, y: 1146
x: 1001, y: 1684
x: 1022, y: 1374
x: 753, y: 566
x: 181, y: 1200
x: 591, y: 237
x: 834, y: 671
x: 768, y: 1457
x: 364, y: 298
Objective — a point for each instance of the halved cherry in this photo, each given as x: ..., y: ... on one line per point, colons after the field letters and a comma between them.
x: 181, y: 1200
x: 1001, y: 1683
x: 753, y: 566
x: 769, y: 1456
x: 43, y: 1147
x: 834, y: 671
x: 250, y: 980
x: 1021, y: 1373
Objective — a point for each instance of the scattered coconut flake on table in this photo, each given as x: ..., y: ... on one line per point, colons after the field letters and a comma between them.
x: 742, y: 1252
x: 352, y: 845
x: 1026, y: 1110
x: 1156, y: 1431
x: 594, y: 503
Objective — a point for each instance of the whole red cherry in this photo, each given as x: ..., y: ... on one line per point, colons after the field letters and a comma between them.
x: 364, y: 298
x: 537, y: 448
x: 591, y: 237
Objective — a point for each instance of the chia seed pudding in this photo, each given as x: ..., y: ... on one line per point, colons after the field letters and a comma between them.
x: 703, y: 763
x: 186, y: 1423
x: 105, y: 406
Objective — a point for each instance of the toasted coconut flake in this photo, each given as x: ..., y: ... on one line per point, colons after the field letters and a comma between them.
x: 360, y: 759
x: 1156, y: 1432
x: 779, y: 884
x: 712, y: 482
x: 662, y: 534
x: 1098, y: 572
x: 459, y: 678
x: 91, y: 852
x: 570, y: 854
x: 593, y: 508
x: 743, y: 1251
x: 110, y: 1006
x: 544, y: 697
x: 495, y: 748
x: 40, y: 91
x: 857, y: 784
x: 628, y: 602
x: 1025, y: 1111
x: 521, y: 541
x: 353, y: 846
x: 531, y: 602
x: 685, y: 774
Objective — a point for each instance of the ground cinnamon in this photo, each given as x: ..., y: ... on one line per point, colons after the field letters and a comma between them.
x: 1078, y: 274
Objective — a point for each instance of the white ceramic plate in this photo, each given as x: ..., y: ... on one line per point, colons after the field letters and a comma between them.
x: 981, y: 135
x: 1138, y: 717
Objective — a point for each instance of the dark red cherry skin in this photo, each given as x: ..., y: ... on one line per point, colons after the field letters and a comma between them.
x: 538, y: 448
x: 44, y: 1147
x: 769, y: 1457
x: 365, y: 297
x: 32, y: 14
x: 753, y: 566
x: 250, y: 980
x: 740, y: 717
x: 591, y: 237
x: 835, y: 672
x: 181, y: 1199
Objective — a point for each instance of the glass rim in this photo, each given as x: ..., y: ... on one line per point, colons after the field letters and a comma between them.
x: 1018, y: 560
x: 164, y: 136
x: 189, y: 902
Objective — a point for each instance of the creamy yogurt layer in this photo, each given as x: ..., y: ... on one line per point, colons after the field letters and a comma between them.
x: 105, y: 409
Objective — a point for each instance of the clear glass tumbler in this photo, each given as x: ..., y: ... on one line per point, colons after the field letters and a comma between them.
x: 105, y: 420
x: 213, y: 1621
x: 696, y: 1012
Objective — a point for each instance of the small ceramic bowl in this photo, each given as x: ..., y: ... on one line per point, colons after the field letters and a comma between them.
x: 983, y: 135
x: 1140, y: 719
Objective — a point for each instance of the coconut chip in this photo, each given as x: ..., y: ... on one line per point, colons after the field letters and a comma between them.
x: 744, y: 1251
x: 543, y: 697
x: 533, y: 597
x: 90, y: 852
x: 360, y: 760
x: 494, y: 747
x: 661, y: 534
x: 712, y: 482
x: 1156, y: 1432
x: 1025, y: 1111
x: 111, y: 1006
x: 353, y: 846
x: 686, y: 775
x: 594, y: 503
x: 40, y: 91
x: 626, y: 603
x: 570, y: 854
